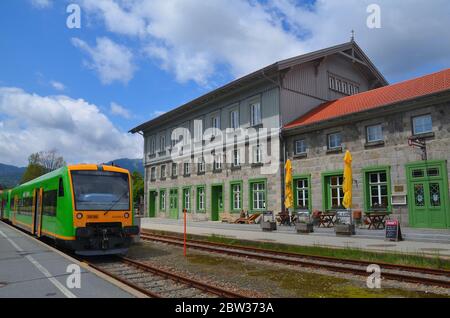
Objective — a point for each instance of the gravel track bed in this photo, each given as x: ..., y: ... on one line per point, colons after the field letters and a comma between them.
x: 257, y: 278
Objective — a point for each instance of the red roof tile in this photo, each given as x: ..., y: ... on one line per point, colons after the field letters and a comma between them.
x: 422, y: 86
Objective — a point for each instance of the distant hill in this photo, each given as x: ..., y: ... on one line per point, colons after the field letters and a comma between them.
x: 130, y: 164
x: 10, y: 175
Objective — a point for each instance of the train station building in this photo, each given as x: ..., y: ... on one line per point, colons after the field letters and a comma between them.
x: 224, y: 152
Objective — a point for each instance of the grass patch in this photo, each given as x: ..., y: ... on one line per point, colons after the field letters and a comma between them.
x: 397, y: 258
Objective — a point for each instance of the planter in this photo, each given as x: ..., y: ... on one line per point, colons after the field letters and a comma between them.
x: 268, y: 226
x: 357, y: 215
x: 345, y: 229
x: 304, y: 228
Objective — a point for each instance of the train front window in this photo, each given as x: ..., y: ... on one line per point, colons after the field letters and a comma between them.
x: 101, y: 191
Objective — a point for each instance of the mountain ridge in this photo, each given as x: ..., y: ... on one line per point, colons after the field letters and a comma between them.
x: 10, y: 175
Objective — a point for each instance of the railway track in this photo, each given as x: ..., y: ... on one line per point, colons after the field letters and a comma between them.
x: 410, y: 274
x: 157, y: 283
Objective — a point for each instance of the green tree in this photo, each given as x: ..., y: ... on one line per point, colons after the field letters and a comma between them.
x: 138, y: 186
x: 41, y: 163
x: 33, y: 171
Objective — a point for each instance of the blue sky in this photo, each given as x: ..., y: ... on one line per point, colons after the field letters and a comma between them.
x: 133, y: 59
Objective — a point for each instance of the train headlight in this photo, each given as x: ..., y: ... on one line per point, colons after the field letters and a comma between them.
x: 126, y: 215
x: 79, y: 216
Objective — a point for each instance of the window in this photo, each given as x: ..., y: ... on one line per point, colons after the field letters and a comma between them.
x: 342, y: 86
x: 201, y: 165
x: 236, y: 159
x: 49, y: 203
x: 258, y: 195
x: 174, y: 169
x: 422, y: 124
x: 334, y: 141
x: 163, y: 172
x: 187, y: 199
x: 257, y: 154
x: 198, y: 130
x: 234, y: 119
x: 215, y: 122
x: 162, y: 143
x: 162, y: 200
x: 153, y: 174
x: 300, y: 147
x: 236, y: 195
x: 374, y: 133
x: 302, y: 193
x: 152, y: 145
x: 255, y: 114
x: 61, y: 188
x: 336, y: 192
x: 378, y: 190
x: 201, y: 198
x: 101, y: 191
x: 26, y: 205
x: 218, y: 162
x: 187, y: 169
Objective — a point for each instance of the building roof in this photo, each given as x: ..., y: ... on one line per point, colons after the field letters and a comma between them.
x: 380, y: 97
x: 264, y: 73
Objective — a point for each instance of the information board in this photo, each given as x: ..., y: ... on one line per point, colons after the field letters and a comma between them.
x: 393, y: 231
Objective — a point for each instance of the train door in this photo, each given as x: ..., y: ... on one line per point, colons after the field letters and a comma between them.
x: 2, y: 208
x: 37, y: 216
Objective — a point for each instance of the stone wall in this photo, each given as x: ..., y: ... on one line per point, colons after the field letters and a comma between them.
x: 395, y: 152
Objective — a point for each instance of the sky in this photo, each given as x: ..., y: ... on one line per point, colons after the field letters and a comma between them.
x: 80, y: 90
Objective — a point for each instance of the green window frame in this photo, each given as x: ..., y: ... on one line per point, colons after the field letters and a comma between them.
x: 254, y: 197
x: 162, y: 200
x: 187, y: 199
x: 233, y: 185
x: 370, y: 186
x: 302, y: 193
x: 330, y: 191
x: 199, y: 189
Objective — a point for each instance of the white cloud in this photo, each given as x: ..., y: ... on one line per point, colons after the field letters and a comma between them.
x: 196, y: 39
x: 119, y: 110
x: 41, y: 4
x: 112, y: 62
x: 57, y: 85
x: 78, y: 129
x: 192, y: 38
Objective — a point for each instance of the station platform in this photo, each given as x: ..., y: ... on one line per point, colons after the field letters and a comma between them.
x: 31, y: 269
x: 416, y: 241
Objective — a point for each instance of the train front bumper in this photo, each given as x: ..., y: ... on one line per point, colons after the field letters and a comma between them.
x: 104, y: 239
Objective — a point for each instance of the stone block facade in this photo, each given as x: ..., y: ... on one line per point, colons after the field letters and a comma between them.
x: 392, y: 154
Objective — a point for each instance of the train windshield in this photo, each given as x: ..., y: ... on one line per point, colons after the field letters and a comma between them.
x: 101, y: 191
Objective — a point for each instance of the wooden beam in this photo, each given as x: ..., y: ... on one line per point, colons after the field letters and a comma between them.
x: 354, y: 58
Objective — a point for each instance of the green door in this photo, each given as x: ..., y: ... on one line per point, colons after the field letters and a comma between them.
x: 216, y: 202
x: 173, y: 204
x: 152, y: 204
x: 428, y: 195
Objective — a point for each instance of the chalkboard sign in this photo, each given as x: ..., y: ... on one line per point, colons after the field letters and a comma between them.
x: 393, y: 231
x: 344, y: 217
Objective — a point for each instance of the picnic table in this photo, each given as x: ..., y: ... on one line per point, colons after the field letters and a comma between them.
x: 327, y: 219
x: 376, y: 220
